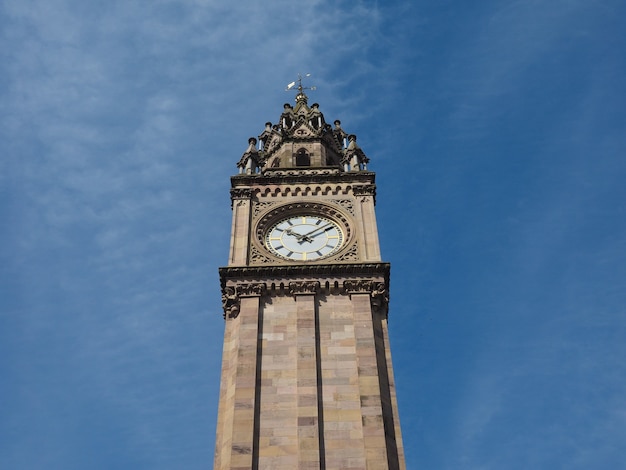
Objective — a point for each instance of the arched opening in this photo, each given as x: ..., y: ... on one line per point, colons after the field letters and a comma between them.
x: 303, y: 158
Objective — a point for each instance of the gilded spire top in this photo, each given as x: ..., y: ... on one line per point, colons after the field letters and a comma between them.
x: 301, y: 98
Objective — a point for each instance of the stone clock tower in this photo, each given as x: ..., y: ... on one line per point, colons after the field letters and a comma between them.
x: 307, y: 381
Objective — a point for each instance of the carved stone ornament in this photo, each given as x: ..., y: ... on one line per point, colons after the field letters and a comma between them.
x: 303, y: 175
x: 315, y: 189
x: 230, y: 302
x: 352, y: 254
x: 345, y: 203
x: 303, y: 132
x: 231, y: 296
x: 261, y: 206
x: 358, y: 286
x: 380, y: 295
x: 240, y: 193
x: 364, y: 190
x: 378, y: 291
x: 256, y: 257
x: 304, y: 287
x: 301, y: 172
x: 251, y: 290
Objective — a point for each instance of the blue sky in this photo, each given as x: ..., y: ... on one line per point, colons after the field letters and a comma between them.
x: 497, y: 132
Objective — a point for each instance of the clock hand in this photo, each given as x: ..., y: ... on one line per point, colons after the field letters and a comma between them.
x: 298, y: 236
x: 291, y: 232
x: 320, y: 230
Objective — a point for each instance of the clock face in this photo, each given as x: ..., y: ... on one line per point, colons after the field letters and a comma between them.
x: 304, y: 237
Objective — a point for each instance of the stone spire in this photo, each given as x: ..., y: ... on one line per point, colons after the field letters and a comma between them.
x: 250, y: 161
x: 302, y: 138
x: 354, y: 159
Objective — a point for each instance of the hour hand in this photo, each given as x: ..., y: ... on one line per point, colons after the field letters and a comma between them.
x: 298, y: 236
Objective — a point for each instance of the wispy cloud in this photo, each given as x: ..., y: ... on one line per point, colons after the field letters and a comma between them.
x: 121, y: 122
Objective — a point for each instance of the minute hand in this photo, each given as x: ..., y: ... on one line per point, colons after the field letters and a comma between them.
x: 320, y: 229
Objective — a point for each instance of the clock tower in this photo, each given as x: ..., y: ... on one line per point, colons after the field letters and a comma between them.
x: 307, y: 380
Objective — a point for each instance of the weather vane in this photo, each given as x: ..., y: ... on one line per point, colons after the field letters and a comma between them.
x: 298, y: 82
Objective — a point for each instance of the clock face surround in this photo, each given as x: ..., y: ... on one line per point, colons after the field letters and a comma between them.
x: 304, y: 237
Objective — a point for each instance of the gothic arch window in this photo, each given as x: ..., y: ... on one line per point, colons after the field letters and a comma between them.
x: 303, y: 158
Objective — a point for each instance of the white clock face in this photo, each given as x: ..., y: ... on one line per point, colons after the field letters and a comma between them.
x: 304, y: 237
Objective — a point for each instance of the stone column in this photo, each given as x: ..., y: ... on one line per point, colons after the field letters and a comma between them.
x: 240, y: 234
x: 235, y: 444
x: 341, y: 414
x: 394, y: 440
x: 307, y: 370
x: 369, y: 385
x: 365, y: 195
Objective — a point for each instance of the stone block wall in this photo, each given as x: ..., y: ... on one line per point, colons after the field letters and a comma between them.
x: 307, y: 384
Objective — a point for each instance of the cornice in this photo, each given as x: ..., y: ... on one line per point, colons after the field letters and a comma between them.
x: 371, y: 279
x: 303, y: 271
x: 299, y: 176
